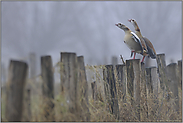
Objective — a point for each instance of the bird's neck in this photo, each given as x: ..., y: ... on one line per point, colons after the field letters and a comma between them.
x: 137, y: 30
x: 138, y: 33
x: 136, y: 26
x: 127, y: 31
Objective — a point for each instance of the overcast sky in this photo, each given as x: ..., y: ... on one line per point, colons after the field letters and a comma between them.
x: 87, y: 28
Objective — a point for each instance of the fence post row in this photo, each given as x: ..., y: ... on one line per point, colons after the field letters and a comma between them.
x: 142, y: 84
x: 47, y: 87
x: 15, y: 87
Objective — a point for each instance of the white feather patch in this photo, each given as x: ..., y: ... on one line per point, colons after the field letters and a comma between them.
x: 135, y: 36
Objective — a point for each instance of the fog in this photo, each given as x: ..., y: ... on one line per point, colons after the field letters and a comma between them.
x: 87, y: 28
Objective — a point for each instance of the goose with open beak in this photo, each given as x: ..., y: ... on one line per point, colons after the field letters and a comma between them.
x: 150, y: 49
x: 132, y: 40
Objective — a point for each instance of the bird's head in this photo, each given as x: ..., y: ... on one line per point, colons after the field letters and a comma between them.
x: 122, y: 26
x: 134, y: 23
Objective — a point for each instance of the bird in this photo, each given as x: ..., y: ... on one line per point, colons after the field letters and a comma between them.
x: 132, y: 41
x: 150, y: 49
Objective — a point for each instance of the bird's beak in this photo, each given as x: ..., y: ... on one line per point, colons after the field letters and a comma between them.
x: 129, y: 20
x: 116, y: 24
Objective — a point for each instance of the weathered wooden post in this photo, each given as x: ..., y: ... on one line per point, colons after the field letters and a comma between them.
x: 162, y: 72
x: 15, y: 87
x: 83, y: 86
x: 90, y: 75
x: 94, y: 90
x: 133, y: 84
x: 153, y: 90
x: 173, y: 83
x: 110, y: 90
x: 121, y: 82
x: 100, y: 83
x: 95, y: 73
x: 179, y: 72
x: 27, y: 115
x: 180, y: 82
x: 153, y: 81
x: 149, y: 82
x: 69, y: 81
x: 47, y: 87
x: 143, y: 100
x: 163, y: 79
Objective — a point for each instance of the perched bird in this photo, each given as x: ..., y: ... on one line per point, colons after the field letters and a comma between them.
x: 150, y: 49
x: 132, y: 41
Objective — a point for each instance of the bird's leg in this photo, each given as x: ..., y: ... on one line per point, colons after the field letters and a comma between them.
x: 134, y: 55
x: 143, y: 59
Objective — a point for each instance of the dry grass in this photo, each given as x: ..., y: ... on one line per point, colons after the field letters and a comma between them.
x: 99, y: 112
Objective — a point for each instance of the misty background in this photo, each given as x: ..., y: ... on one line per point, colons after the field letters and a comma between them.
x: 87, y: 28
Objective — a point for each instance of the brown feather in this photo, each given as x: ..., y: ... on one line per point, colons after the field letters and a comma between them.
x: 149, y: 44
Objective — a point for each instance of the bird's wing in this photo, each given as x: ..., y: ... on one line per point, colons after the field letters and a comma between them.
x: 144, y: 45
x: 137, y: 39
x: 150, y: 48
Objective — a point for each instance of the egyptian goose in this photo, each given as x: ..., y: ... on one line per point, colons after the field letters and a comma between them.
x: 150, y: 49
x: 132, y: 40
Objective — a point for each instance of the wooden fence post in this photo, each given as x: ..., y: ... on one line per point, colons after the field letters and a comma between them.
x: 94, y: 90
x: 47, y: 87
x: 143, y: 100
x: 180, y: 82
x: 173, y: 83
x: 83, y: 86
x: 90, y: 75
x: 133, y: 84
x: 149, y: 81
x: 32, y: 72
x: 153, y: 81
x: 100, y: 83
x: 95, y: 73
x: 153, y: 90
x: 121, y: 82
x: 162, y: 72
x: 27, y: 115
x: 69, y: 81
x: 15, y: 87
x: 110, y: 90
x: 179, y: 72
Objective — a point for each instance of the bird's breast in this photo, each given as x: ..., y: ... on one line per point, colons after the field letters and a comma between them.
x: 132, y: 44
